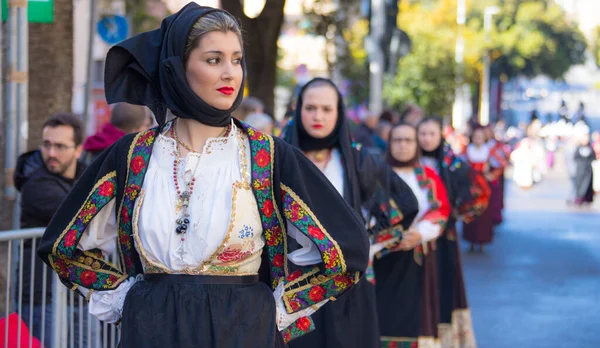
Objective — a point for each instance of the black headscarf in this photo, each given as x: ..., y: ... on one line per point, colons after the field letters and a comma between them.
x: 148, y: 69
x: 438, y: 153
x: 340, y: 138
x: 297, y: 134
x: 391, y: 160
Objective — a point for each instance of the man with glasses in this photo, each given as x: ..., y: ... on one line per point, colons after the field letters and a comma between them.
x: 44, y: 177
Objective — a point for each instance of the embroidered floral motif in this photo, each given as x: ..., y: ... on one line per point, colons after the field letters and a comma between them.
x: 233, y: 253
x: 298, y: 214
x: 261, y: 148
x: 309, y: 295
x: 102, y: 193
x: 300, y: 327
x: 139, y: 155
x: 82, y: 274
x: 247, y: 232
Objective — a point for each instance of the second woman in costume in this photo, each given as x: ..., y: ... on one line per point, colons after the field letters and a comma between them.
x: 320, y: 130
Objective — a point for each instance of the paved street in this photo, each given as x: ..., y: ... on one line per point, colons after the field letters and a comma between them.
x: 538, y: 284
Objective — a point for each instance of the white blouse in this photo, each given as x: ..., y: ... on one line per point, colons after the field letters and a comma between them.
x: 478, y: 154
x: 428, y: 230
x: 334, y: 171
x: 225, y: 233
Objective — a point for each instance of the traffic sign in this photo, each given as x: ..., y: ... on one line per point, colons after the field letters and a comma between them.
x: 38, y: 11
x: 113, y: 29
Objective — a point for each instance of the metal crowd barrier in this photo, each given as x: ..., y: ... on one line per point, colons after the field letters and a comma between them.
x: 64, y: 322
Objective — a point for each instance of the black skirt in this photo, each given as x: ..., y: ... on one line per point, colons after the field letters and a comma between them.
x: 192, y: 311
x: 407, y: 297
x: 348, y: 322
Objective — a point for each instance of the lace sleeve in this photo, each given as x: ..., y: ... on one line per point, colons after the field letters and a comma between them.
x: 108, y: 305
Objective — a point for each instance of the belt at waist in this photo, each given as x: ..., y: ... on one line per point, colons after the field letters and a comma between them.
x: 200, y: 279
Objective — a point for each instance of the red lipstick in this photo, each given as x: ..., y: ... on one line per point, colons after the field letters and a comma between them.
x: 227, y: 90
x: 317, y: 126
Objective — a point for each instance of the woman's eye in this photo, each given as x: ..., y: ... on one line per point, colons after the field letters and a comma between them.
x: 213, y: 61
x: 237, y: 61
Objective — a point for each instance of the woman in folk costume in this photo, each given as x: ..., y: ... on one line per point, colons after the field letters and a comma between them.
x: 480, y: 231
x: 468, y: 194
x: 320, y: 130
x: 499, y: 155
x: 406, y: 273
x: 207, y: 215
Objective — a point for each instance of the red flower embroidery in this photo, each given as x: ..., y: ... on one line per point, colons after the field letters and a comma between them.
x: 233, y: 253
x: 316, y: 294
x: 293, y: 276
x: 278, y: 260
x: 333, y: 258
x: 274, y: 234
x: 295, y: 212
x: 316, y: 232
x: 295, y: 305
x: 60, y: 266
x: 342, y: 281
x: 90, y: 210
x: 267, y: 208
x: 88, y: 278
x: 145, y: 137
x: 287, y: 336
x: 125, y: 215
x: 71, y: 238
x: 137, y: 164
x: 124, y: 239
x: 262, y: 158
x: 266, y: 183
x: 107, y: 189
x: 131, y: 189
x: 303, y: 323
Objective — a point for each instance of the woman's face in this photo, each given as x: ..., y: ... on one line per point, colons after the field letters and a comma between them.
x: 403, y: 143
x: 214, y: 69
x: 319, y: 111
x: 478, y: 137
x: 429, y: 136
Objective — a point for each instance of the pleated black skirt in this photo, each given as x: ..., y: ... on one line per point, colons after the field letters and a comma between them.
x: 176, y: 311
x: 348, y: 322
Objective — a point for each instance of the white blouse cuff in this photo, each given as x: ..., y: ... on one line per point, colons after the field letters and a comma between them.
x: 308, y: 254
x: 284, y: 319
x: 428, y: 230
x: 108, y: 305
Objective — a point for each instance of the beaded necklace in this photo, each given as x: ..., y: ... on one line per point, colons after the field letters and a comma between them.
x: 183, y: 197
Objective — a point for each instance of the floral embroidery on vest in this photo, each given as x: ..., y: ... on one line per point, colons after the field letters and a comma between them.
x: 261, y: 147
x: 296, y: 211
x: 137, y: 163
x: 300, y: 327
x: 86, y: 268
